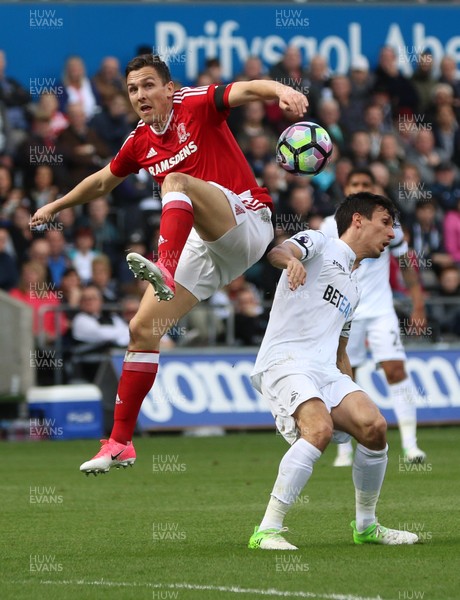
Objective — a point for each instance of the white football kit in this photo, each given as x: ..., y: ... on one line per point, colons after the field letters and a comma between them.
x: 298, y: 355
x: 375, y: 319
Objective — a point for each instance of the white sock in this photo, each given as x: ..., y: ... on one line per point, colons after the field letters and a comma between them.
x: 345, y: 449
x: 403, y: 396
x: 369, y: 468
x: 295, y: 469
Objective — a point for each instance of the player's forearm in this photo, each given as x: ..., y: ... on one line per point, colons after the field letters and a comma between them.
x: 280, y: 256
x: 412, y: 282
x: 343, y: 364
x: 90, y: 188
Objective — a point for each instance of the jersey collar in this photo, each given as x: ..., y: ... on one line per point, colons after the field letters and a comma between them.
x: 165, y: 128
x: 347, y: 252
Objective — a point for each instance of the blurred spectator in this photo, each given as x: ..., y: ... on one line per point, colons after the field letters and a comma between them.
x: 102, y: 278
x: 448, y: 68
x: 112, y: 124
x: 250, y: 317
x: 442, y: 95
x: 8, y: 265
x: 381, y: 175
x: 426, y: 240
x: 108, y: 81
x: 253, y: 123
x: 83, y: 151
x: 391, y: 155
x: 83, y: 254
x: 423, y: 81
x: 410, y: 189
x: 318, y: 74
x: 274, y: 179
x: 21, y: 234
x: 425, y: 156
x: 58, y: 259
x: 66, y: 219
x: 360, y: 149
x: 342, y: 168
x: 400, y: 89
x: 258, y: 154
x: 447, y: 133
x: 452, y: 232
x: 6, y: 140
x: 252, y: 69
x: 136, y: 243
x: 6, y: 185
x: 40, y: 252
x: 92, y: 325
x: 106, y: 236
x: 329, y: 118
x: 33, y: 289
x: 38, y: 148
x: 48, y: 105
x: 375, y: 127
x: 362, y: 80
x: 301, y: 205
x: 78, y: 89
x: 446, y: 186
x: 43, y: 190
x: 290, y: 71
x: 214, y: 69
x: 14, y: 97
x: 447, y: 316
x: 70, y: 289
x: 351, y: 108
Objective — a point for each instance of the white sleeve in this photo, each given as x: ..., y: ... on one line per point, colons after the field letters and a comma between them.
x: 329, y: 227
x: 310, y: 243
x: 346, y: 330
x: 398, y: 245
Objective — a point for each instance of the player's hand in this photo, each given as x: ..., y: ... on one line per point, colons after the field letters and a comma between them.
x: 43, y: 216
x: 296, y: 273
x: 292, y: 101
x: 418, y: 321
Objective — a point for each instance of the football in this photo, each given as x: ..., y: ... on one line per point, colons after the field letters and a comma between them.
x: 304, y: 148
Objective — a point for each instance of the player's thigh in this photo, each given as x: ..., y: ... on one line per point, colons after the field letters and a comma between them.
x: 158, y: 317
x: 213, y: 215
x: 359, y: 416
x: 356, y: 345
x: 384, y: 338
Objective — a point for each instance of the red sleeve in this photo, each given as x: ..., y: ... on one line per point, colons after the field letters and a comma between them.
x: 125, y: 163
x: 210, y: 101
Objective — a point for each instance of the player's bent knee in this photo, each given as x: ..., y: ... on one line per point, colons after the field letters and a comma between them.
x: 318, y: 433
x: 175, y: 182
x: 374, y: 433
x: 142, y: 334
x: 395, y: 373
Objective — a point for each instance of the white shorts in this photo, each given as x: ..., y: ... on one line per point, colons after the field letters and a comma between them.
x: 286, y: 387
x: 205, y: 267
x: 382, y: 336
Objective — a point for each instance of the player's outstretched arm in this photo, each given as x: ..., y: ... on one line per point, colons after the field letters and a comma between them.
x: 287, y: 256
x: 289, y: 99
x: 92, y: 187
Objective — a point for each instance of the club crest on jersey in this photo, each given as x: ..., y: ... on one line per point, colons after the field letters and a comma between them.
x: 182, y: 133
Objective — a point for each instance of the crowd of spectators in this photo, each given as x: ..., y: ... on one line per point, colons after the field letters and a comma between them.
x: 405, y: 129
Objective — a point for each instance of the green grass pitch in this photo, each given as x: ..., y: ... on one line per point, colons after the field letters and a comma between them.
x: 177, y: 524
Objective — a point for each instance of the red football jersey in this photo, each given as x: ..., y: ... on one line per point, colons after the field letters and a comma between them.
x: 197, y: 141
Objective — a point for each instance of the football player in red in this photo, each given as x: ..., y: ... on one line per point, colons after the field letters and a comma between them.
x: 215, y: 219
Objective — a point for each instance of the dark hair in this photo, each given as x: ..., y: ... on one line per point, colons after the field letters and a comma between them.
x: 363, y: 203
x: 149, y: 60
x: 360, y: 171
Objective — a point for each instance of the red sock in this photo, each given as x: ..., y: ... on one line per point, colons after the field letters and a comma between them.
x: 175, y: 226
x: 137, y: 377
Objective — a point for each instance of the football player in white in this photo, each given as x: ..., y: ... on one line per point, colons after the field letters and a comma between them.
x: 302, y: 368
x: 376, y: 322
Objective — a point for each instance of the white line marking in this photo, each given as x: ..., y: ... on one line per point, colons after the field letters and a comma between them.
x: 211, y: 588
